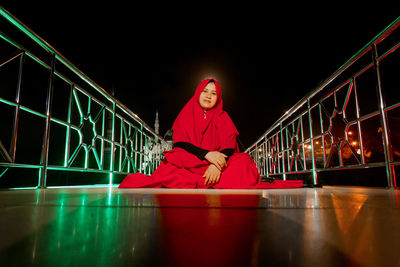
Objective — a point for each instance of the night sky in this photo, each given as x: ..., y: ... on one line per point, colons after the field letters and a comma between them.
x: 266, y: 57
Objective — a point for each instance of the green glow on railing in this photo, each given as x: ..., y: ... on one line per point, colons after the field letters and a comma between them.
x: 125, y: 162
x: 110, y: 179
x: 5, y: 170
x: 23, y: 188
x: 338, y: 90
x: 112, y: 144
x: 25, y: 30
x: 78, y: 104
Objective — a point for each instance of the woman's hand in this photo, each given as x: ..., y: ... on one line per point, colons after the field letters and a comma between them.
x: 216, y: 158
x: 212, y: 175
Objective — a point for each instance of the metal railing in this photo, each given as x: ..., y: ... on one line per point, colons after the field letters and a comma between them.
x: 351, y: 121
x: 57, y: 123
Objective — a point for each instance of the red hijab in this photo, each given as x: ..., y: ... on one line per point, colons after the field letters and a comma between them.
x: 214, y: 132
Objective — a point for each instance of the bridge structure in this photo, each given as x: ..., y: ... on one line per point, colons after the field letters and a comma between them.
x: 346, y: 131
x: 68, y: 143
x: 58, y: 123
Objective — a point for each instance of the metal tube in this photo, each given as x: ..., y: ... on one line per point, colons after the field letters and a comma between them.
x: 283, y: 153
x: 314, y: 172
x: 68, y: 131
x: 383, y: 119
x: 322, y: 134
x: 46, y: 136
x: 358, y: 122
x: 112, y: 144
x: 13, y: 146
x: 331, y: 78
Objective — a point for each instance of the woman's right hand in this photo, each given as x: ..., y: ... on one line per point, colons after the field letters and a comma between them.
x: 216, y: 158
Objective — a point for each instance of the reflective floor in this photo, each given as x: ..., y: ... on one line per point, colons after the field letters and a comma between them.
x: 330, y: 226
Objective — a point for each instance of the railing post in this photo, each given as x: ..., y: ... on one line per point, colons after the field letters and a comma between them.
x: 283, y: 153
x: 314, y: 172
x: 13, y: 146
x: 46, y: 136
x: 360, y: 136
x: 267, y: 154
x: 383, y: 119
x: 112, y: 144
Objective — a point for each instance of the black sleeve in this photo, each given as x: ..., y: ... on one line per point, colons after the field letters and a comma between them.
x: 197, y: 151
x: 227, y: 151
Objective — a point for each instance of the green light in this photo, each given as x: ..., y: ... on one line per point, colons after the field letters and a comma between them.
x: 5, y: 170
x: 78, y: 104
x: 87, y: 138
x: 23, y: 188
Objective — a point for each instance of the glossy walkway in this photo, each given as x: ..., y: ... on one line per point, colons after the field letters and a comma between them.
x: 166, y: 227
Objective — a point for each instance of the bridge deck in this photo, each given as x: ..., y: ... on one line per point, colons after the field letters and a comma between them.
x: 328, y: 226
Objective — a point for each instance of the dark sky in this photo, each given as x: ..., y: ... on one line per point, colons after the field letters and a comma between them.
x: 265, y: 57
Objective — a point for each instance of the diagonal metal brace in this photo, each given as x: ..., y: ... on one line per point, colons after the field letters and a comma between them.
x: 4, y: 153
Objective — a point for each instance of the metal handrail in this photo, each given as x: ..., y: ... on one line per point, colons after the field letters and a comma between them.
x: 283, y: 144
x: 39, y: 40
x: 137, y: 148
x: 331, y: 78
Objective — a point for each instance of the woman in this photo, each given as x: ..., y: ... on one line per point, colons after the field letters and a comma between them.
x: 205, y: 153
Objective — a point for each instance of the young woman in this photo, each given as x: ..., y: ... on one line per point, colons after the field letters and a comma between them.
x: 205, y: 152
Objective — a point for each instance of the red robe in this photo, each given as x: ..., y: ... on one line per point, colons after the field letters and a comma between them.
x: 212, y: 130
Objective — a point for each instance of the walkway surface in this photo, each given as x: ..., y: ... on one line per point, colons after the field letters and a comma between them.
x: 330, y: 226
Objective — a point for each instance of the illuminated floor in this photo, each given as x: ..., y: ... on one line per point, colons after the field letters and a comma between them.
x: 160, y: 227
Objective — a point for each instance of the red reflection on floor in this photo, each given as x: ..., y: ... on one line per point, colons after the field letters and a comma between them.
x: 208, y: 230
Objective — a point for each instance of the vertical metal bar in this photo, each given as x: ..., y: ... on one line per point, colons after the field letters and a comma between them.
x: 358, y: 122
x: 86, y: 157
x: 136, y: 150
x: 129, y: 156
x: 276, y: 156
x: 121, y: 137
x: 322, y: 133
x: 46, y: 136
x: 283, y: 153
x: 141, y: 150
x: 339, y: 145
x: 383, y: 118
x: 256, y: 157
x: 87, y: 116
x: 14, y: 135
x: 302, y: 141
x: 314, y: 172
x: 112, y: 144
x: 103, y: 133
x: 68, y: 132
x: 268, y: 153
x: 265, y: 157
x: 293, y: 160
x: 287, y: 150
x: 148, y: 154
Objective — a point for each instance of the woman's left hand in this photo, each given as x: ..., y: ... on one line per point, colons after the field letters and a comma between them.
x: 212, y: 175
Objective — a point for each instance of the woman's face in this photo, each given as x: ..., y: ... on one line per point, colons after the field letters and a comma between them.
x: 208, y: 97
